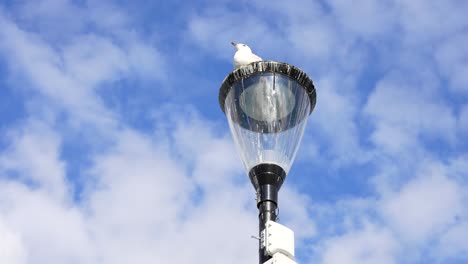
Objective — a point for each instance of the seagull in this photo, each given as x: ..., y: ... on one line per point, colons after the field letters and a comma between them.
x: 243, y: 55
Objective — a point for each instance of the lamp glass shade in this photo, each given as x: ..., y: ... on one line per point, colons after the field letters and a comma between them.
x: 267, y: 114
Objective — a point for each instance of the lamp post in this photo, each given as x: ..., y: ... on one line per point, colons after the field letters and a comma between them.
x: 267, y: 104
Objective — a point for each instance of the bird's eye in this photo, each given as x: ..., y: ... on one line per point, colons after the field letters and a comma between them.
x: 244, y: 45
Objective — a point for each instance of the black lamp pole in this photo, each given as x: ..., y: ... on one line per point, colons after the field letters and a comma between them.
x: 267, y: 180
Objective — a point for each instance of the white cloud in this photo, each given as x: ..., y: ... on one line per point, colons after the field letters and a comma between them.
x: 426, y: 214
x: 452, y: 59
x: 423, y: 21
x: 453, y: 243
x: 334, y: 117
x: 148, y: 195
x: 368, y: 18
x: 41, y: 67
x: 317, y: 41
x: 424, y: 207
x: 139, y: 204
x: 70, y: 73
x: 139, y: 197
x: 463, y: 120
x: 218, y: 230
x: 34, y: 156
x: 299, y: 12
x: 149, y: 201
x: 146, y: 61
x: 405, y: 114
x: 51, y: 17
x: 458, y: 168
x: 11, y: 247
x: 108, y: 16
x: 192, y: 136
x: 227, y: 26
x: 91, y: 59
x: 141, y: 200
x: 49, y: 229
x: 368, y: 245
x: 294, y: 213
x: 36, y: 199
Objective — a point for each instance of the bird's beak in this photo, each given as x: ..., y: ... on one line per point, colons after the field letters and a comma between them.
x: 233, y: 43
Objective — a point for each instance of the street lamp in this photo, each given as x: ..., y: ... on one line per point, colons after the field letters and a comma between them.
x: 267, y: 104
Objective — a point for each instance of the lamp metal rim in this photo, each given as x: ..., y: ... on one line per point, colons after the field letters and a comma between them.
x: 253, y: 68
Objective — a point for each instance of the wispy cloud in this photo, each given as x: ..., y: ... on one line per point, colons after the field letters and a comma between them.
x: 122, y: 154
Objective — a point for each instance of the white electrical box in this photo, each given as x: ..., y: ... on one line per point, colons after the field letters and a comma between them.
x: 279, y: 239
x: 279, y: 258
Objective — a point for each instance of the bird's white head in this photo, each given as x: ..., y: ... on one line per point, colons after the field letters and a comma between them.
x: 241, y: 47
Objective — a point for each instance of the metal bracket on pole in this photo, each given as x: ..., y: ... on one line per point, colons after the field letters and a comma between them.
x: 279, y: 239
x: 279, y: 243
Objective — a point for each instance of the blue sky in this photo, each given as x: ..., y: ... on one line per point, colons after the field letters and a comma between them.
x: 113, y: 148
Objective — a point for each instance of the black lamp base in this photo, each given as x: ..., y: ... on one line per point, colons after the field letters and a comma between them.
x: 267, y: 179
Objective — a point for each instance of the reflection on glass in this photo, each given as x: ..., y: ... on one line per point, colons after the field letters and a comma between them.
x: 266, y: 101
x: 267, y: 114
